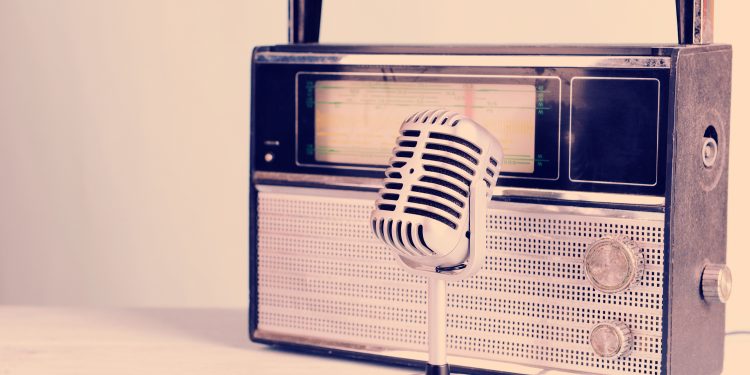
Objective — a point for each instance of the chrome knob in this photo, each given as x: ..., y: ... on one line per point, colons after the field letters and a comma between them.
x: 614, y: 263
x: 611, y: 339
x: 716, y: 283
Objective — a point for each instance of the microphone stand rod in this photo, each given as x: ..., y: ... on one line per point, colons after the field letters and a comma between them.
x: 437, y: 364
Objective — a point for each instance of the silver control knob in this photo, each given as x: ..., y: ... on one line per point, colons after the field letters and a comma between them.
x: 613, y: 264
x: 611, y: 339
x: 716, y: 283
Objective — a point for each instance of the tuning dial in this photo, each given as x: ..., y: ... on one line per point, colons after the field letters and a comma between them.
x: 611, y: 339
x: 716, y: 283
x: 613, y: 263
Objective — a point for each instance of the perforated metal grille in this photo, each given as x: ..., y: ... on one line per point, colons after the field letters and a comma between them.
x: 322, y: 275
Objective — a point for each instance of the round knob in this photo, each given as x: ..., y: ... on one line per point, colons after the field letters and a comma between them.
x: 611, y: 339
x: 613, y: 263
x: 716, y: 283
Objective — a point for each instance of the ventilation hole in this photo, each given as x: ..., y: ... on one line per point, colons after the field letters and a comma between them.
x: 409, y: 237
x: 385, y: 207
x: 394, y: 175
x: 425, y: 118
x: 452, y: 150
x: 489, y: 184
x: 493, y: 161
x: 431, y: 215
x: 490, y: 172
x: 455, y: 122
x: 411, y: 133
x: 434, y: 119
x: 436, y: 169
x: 461, y: 141
x: 407, y: 143
x: 443, y: 159
x: 394, y: 185
x: 420, y: 233
x: 380, y: 229
x: 404, y: 154
x: 398, y: 164
x: 434, y: 204
x: 392, y: 197
x: 375, y: 224
x: 437, y: 193
x: 446, y: 184
x: 444, y: 121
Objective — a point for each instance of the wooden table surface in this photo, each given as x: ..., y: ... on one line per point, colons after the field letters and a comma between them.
x: 53, y: 340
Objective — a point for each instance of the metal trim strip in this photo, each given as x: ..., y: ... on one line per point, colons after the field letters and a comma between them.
x: 468, y: 362
x: 621, y: 62
x: 276, y: 178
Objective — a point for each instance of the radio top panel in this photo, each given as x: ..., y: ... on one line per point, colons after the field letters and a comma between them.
x: 583, y: 119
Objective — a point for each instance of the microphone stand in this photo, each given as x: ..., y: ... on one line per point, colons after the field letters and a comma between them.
x: 437, y: 362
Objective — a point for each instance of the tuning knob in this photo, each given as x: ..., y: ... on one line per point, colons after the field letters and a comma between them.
x: 611, y: 339
x: 716, y: 283
x: 613, y: 264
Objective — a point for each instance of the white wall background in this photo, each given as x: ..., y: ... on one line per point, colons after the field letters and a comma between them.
x: 124, y: 128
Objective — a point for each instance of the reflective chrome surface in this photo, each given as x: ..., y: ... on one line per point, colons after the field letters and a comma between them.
x: 625, y: 62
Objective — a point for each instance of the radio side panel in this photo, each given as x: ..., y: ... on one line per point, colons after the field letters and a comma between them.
x: 697, y: 209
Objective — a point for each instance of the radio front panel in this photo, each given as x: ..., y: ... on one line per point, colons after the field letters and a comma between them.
x: 323, y: 278
x: 568, y: 129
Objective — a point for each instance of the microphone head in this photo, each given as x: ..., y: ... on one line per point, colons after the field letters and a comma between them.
x: 422, y: 212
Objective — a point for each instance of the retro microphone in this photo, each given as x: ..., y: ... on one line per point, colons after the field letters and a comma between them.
x: 432, y: 210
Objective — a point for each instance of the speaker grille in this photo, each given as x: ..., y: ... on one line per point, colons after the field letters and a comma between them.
x: 322, y: 275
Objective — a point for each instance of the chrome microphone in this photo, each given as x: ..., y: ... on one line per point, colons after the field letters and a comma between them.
x: 432, y: 209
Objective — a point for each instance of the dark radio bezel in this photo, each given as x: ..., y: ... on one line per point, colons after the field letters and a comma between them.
x: 275, y: 97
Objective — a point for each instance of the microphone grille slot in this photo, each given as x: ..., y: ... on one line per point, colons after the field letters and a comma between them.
x: 387, y: 207
x: 459, y: 140
x: 446, y: 184
x: 452, y: 150
x: 449, y: 173
x: 420, y: 234
x: 437, y: 193
x: 431, y: 215
x: 436, y: 205
x: 445, y: 160
x: 394, y: 185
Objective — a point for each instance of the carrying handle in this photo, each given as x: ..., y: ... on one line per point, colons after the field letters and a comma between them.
x: 304, y: 21
x: 695, y: 21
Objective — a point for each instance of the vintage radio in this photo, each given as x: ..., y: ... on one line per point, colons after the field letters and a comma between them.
x: 606, y: 233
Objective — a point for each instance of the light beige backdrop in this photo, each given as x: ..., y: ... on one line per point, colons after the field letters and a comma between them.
x: 124, y: 131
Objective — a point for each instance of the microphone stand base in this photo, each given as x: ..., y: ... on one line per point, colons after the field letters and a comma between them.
x: 437, y: 369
